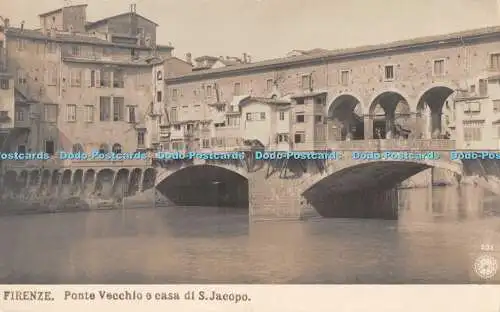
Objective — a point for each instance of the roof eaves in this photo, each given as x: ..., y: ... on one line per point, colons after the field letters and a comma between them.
x: 401, y: 45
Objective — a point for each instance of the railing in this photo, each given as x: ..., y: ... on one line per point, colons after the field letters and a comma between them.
x: 394, y: 144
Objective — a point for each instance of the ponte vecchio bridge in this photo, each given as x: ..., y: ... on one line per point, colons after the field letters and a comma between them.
x: 270, y: 189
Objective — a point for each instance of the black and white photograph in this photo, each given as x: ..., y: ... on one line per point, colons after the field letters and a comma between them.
x: 250, y: 142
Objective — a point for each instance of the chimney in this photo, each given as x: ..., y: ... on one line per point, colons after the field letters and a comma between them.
x: 22, y: 25
x: 189, y: 58
x: 6, y: 23
x: 221, y: 58
x: 244, y: 58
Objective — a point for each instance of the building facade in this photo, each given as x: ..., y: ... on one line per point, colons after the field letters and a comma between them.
x: 83, y: 86
x: 342, y: 99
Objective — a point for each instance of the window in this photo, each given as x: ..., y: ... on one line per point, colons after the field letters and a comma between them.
x: 282, y: 138
x: 237, y: 89
x: 50, y: 112
x: 92, y: 78
x: 106, y: 79
x: 50, y: 147
x: 117, y: 148
x: 159, y: 75
x: 233, y: 121
x: 52, y: 75
x: 21, y: 77
x: 438, y: 69
x: 483, y: 87
x: 106, y: 52
x: 104, y: 108
x: 71, y: 112
x: 389, y: 72
x: 103, y: 148
x: 77, y: 148
x: 21, y: 44
x: 118, y: 108
x: 175, y: 94
x: 269, y: 84
x: 51, y: 47
x: 75, y: 50
x: 209, y: 90
x: 173, y: 114
x: 4, y: 84
x: 300, y: 118
x: 473, y: 131
x: 306, y: 82
x: 21, y: 149
x: 318, y: 119
x: 256, y: 116
x: 158, y: 96
x: 89, y: 113
x: 300, y: 101
x: 495, y: 61
x: 76, y: 78
x: 131, y: 114
x: 206, y: 143
x: 282, y: 115
x: 299, y: 137
x: 118, y: 79
x: 320, y: 100
x: 344, y: 77
x: 496, y: 105
x: 140, y: 138
x: 472, y: 107
x: 19, y: 115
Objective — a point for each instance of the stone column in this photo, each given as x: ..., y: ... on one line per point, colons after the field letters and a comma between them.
x: 368, y: 125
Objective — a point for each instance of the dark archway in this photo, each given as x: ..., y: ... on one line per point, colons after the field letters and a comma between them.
x: 149, y: 179
x: 206, y: 186
x: 88, y: 181
x: 388, y: 112
x: 104, y: 183
x: 10, y: 181
x: 339, y: 194
x: 44, y: 189
x: 430, y: 108
x: 77, y: 184
x: 120, y: 185
x: 134, y: 182
x: 346, y: 116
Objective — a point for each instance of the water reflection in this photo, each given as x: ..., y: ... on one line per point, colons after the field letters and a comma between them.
x: 438, y: 234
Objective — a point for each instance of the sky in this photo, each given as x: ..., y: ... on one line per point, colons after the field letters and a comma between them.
x: 271, y: 28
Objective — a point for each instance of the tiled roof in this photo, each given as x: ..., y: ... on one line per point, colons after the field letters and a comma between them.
x: 104, y: 20
x: 68, y: 38
x: 429, y: 41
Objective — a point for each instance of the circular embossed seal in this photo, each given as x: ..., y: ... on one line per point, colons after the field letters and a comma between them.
x: 486, y: 266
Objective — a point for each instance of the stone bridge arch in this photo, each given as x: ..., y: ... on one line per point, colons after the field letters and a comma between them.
x: 356, y: 174
x: 204, y: 184
x: 364, y: 188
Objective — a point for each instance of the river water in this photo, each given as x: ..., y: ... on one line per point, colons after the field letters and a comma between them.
x: 435, y: 240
